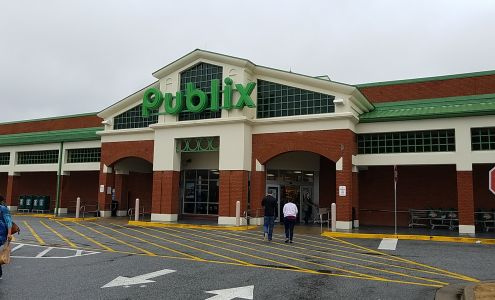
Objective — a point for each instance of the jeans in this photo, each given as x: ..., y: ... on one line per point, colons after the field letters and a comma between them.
x: 289, y: 228
x: 268, y: 224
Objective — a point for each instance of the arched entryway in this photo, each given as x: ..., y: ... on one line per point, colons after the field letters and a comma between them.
x: 306, y: 178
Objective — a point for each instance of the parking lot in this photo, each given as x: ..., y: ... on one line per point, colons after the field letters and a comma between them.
x: 108, y: 259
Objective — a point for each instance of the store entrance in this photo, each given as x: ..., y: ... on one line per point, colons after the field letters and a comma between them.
x: 296, y: 186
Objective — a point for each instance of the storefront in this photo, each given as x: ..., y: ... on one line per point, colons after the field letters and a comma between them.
x: 215, y: 129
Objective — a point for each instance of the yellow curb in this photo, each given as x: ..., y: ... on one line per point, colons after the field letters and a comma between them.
x: 451, y: 239
x: 33, y: 215
x: 73, y: 219
x: 191, y: 226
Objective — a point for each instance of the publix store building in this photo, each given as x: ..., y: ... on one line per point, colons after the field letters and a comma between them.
x: 215, y: 129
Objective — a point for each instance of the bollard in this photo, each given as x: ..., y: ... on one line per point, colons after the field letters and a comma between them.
x: 238, y: 213
x: 136, y: 210
x: 334, y: 217
x: 78, y: 206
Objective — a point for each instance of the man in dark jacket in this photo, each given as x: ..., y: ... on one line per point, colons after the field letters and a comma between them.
x: 270, y: 204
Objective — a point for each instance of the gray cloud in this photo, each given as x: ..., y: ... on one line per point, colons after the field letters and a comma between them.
x: 69, y: 57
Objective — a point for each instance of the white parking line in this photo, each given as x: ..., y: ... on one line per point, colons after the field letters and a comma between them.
x: 44, y: 250
x: 388, y: 244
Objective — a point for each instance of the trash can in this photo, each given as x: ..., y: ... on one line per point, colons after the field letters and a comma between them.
x: 22, y: 202
x: 29, y: 202
x: 36, y: 202
x: 44, y: 203
x: 115, y: 206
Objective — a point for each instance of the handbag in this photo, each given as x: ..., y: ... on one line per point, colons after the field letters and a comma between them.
x: 15, y: 228
x: 5, y: 254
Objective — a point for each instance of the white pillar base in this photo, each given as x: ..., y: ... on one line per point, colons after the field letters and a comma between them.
x: 344, y: 225
x: 257, y: 221
x: 62, y: 211
x: 467, y: 229
x: 164, y: 217
x: 105, y: 213
x: 12, y: 208
x: 356, y: 224
x: 230, y: 221
x: 121, y: 213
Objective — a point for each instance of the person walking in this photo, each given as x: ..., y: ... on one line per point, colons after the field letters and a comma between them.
x: 270, y: 204
x: 290, y: 215
x: 5, y: 225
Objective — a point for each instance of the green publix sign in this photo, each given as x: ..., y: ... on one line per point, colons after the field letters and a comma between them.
x: 196, y: 100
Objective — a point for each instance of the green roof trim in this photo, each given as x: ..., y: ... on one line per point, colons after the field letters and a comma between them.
x: 461, y: 106
x: 55, y: 136
x: 424, y: 79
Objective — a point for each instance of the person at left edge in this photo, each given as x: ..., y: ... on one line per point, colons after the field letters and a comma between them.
x: 5, y: 225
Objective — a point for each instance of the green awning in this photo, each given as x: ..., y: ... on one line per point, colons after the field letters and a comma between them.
x: 55, y: 136
x: 461, y: 106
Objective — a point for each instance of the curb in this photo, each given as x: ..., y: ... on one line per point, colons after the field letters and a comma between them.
x: 451, y: 239
x: 51, y: 217
x: 464, y: 291
x: 191, y: 226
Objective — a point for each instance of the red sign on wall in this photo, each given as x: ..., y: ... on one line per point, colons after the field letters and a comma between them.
x: 491, y: 180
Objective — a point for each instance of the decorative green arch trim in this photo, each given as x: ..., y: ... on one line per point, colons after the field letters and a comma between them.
x: 199, y: 144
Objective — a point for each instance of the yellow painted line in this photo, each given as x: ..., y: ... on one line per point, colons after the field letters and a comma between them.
x: 451, y: 239
x: 190, y: 226
x: 275, y: 254
x: 87, y: 237
x: 154, y: 244
x: 74, y: 219
x: 187, y: 246
x: 338, y: 261
x: 118, y: 240
x: 452, y: 274
x: 71, y: 244
x: 33, y: 215
x: 36, y: 236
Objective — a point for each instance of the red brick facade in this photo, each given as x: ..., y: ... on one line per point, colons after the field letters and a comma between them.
x: 113, y: 152
x: 330, y: 144
x: 233, y: 188
x: 83, y: 184
x: 51, y: 124
x: 465, y: 201
x: 430, y: 89
x: 165, y: 198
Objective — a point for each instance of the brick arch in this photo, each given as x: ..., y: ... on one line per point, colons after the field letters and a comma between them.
x: 326, y: 143
x: 116, y: 151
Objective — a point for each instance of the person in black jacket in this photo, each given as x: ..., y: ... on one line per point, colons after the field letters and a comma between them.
x: 270, y: 204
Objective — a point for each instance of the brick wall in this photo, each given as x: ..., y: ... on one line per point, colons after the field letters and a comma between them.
x: 165, y: 197
x: 82, y: 184
x: 419, y: 187
x: 35, y: 183
x: 431, y: 89
x: 53, y: 124
x: 233, y: 188
x: 484, y: 199
x: 327, y: 182
x: 3, y: 184
x: 138, y: 185
x: 465, y: 200
x: 113, y: 152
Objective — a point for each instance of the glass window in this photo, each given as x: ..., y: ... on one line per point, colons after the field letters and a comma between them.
x: 37, y: 157
x: 201, y: 76
x: 133, y: 119
x: 200, y: 192
x: 483, y: 138
x: 4, y: 158
x: 277, y: 100
x: 406, y: 142
x: 83, y: 155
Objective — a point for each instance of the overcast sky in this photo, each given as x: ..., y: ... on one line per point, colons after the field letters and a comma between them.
x: 70, y: 57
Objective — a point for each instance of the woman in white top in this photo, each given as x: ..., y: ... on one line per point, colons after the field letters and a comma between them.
x: 290, y: 216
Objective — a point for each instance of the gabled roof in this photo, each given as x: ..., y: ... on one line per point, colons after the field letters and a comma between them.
x: 462, y: 106
x: 199, y: 54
